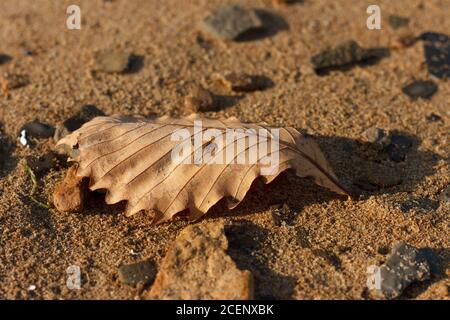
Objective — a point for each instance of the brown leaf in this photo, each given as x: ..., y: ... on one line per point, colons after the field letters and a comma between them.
x: 131, y: 158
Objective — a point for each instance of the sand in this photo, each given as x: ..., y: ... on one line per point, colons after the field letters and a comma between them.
x: 325, y: 252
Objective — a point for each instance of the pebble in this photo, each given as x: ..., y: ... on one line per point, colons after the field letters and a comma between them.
x: 424, y: 89
x: 344, y: 54
x: 433, y: 117
x: 197, y: 267
x: 70, y: 194
x: 230, y: 22
x: 140, y: 272
x: 112, y: 61
x: 405, y: 265
x: 4, y: 58
x: 418, y: 204
x: 395, y: 145
x: 437, y: 54
x: 398, y: 147
x: 10, y: 81
x: 36, y: 129
x: 199, y: 99
x: 397, y: 22
x: 404, y: 40
x: 374, y: 135
x: 280, y: 214
x: 242, y: 82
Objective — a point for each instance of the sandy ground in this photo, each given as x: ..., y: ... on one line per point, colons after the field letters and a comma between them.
x: 325, y: 253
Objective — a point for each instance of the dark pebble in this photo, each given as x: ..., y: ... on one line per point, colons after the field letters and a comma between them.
x: 433, y: 117
x: 142, y: 272
x: 437, y: 53
x: 398, y: 147
x: 420, y: 204
x: 38, y: 130
x: 344, y: 54
x: 374, y: 135
x: 4, y: 58
x: 420, y: 89
x: 231, y: 21
x: 242, y: 82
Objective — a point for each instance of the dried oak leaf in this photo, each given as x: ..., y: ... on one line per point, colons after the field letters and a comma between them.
x: 130, y: 157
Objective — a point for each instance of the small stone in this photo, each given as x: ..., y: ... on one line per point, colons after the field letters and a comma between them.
x: 280, y: 214
x: 140, y: 272
x: 344, y: 54
x: 407, y: 40
x: 397, y: 22
x: 36, y: 129
x: 420, y: 89
x: 199, y: 99
x: 433, y: 117
x: 404, y: 40
x: 10, y: 81
x: 404, y: 265
x: 70, y: 194
x: 418, y: 204
x: 242, y: 82
x: 4, y: 58
x: 398, y: 147
x: 437, y: 54
x: 374, y: 135
x: 230, y: 22
x: 112, y: 61
x: 197, y: 267
x: 42, y: 163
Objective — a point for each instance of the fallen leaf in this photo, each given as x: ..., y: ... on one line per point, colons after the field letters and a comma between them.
x: 131, y: 157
